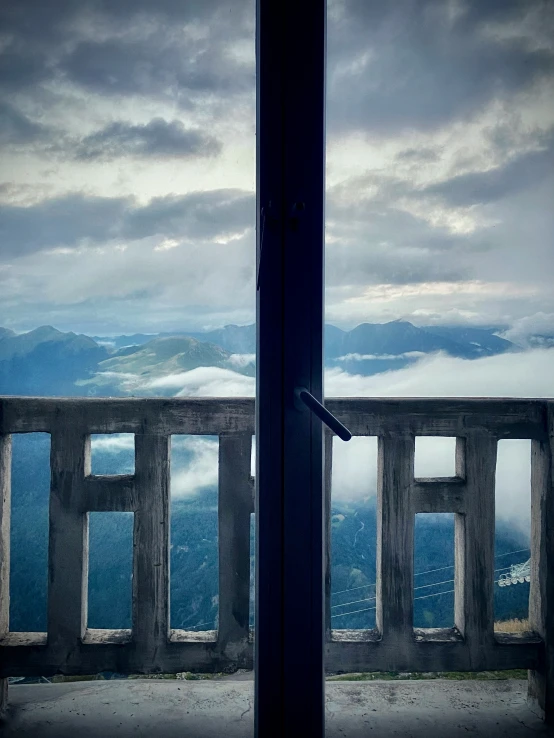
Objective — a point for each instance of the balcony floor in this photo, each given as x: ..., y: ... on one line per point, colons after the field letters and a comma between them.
x: 205, y: 709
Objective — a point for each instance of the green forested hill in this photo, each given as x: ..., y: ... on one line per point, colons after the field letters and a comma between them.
x: 46, y: 361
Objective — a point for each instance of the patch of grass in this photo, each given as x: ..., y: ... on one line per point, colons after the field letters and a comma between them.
x: 187, y: 675
x: 413, y: 675
x: 512, y: 626
x: 512, y: 674
x: 184, y: 675
x: 152, y: 676
x: 194, y: 677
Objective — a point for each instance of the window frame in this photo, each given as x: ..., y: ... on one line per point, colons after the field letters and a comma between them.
x: 290, y: 628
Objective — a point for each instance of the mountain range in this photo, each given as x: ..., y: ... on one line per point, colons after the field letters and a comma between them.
x: 51, y: 362
x: 46, y: 361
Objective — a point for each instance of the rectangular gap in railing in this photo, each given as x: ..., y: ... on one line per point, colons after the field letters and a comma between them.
x: 194, y: 578
x: 512, y: 536
x: 110, y: 570
x: 435, y: 456
x: 351, y: 489
x: 28, y: 539
x: 434, y: 585
x: 112, y: 453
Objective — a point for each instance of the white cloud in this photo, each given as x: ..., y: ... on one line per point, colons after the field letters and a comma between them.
x: 533, y: 325
x: 436, y: 303
x: 435, y: 457
x: 371, y: 357
x: 525, y: 374
x: 513, y: 484
x: 113, y: 443
x: 198, y: 473
x: 241, y: 360
x: 520, y: 374
x: 206, y: 382
x: 354, y: 469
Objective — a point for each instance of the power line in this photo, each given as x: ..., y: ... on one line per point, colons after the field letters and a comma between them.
x: 370, y: 599
x: 208, y: 622
x: 366, y: 609
x: 422, y: 586
x: 427, y: 571
x: 421, y: 597
x: 520, y: 550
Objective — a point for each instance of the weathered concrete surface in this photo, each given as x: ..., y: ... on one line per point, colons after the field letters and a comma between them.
x: 73, y: 649
x: 206, y: 709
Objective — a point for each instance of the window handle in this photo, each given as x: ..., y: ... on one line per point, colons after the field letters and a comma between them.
x: 262, y: 226
x: 307, y: 399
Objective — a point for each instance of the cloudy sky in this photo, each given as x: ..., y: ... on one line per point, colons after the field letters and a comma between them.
x: 127, y: 163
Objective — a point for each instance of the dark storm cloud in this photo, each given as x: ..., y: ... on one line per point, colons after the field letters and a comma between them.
x: 523, y: 173
x: 467, y: 13
x: 200, y: 215
x: 371, y: 241
x: 157, y: 139
x: 43, y: 22
x: 422, y: 68
x: 232, y: 11
x: 63, y: 221
x: 77, y: 219
x: 378, y: 217
x: 150, y: 51
x: 155, y: 66
x: 423, y: 155
x: 425, y: 64
x: 363, y: 262
x: 477, y: 11
x: 21, y: 68
x: 16, y: 128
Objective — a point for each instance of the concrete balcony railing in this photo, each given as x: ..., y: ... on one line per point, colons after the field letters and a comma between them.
x: 151, y: 646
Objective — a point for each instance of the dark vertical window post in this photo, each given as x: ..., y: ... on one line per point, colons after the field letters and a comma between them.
x: 290, y: 189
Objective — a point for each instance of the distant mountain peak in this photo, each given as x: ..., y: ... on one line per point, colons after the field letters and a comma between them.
x: 6, y: 333
x: 46, y: 330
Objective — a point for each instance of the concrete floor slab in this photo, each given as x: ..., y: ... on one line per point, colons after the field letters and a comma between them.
x: 205, y: 709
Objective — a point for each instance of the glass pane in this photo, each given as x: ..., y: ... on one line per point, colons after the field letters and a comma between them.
x: 439, y: 226
x: 127, y: 270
